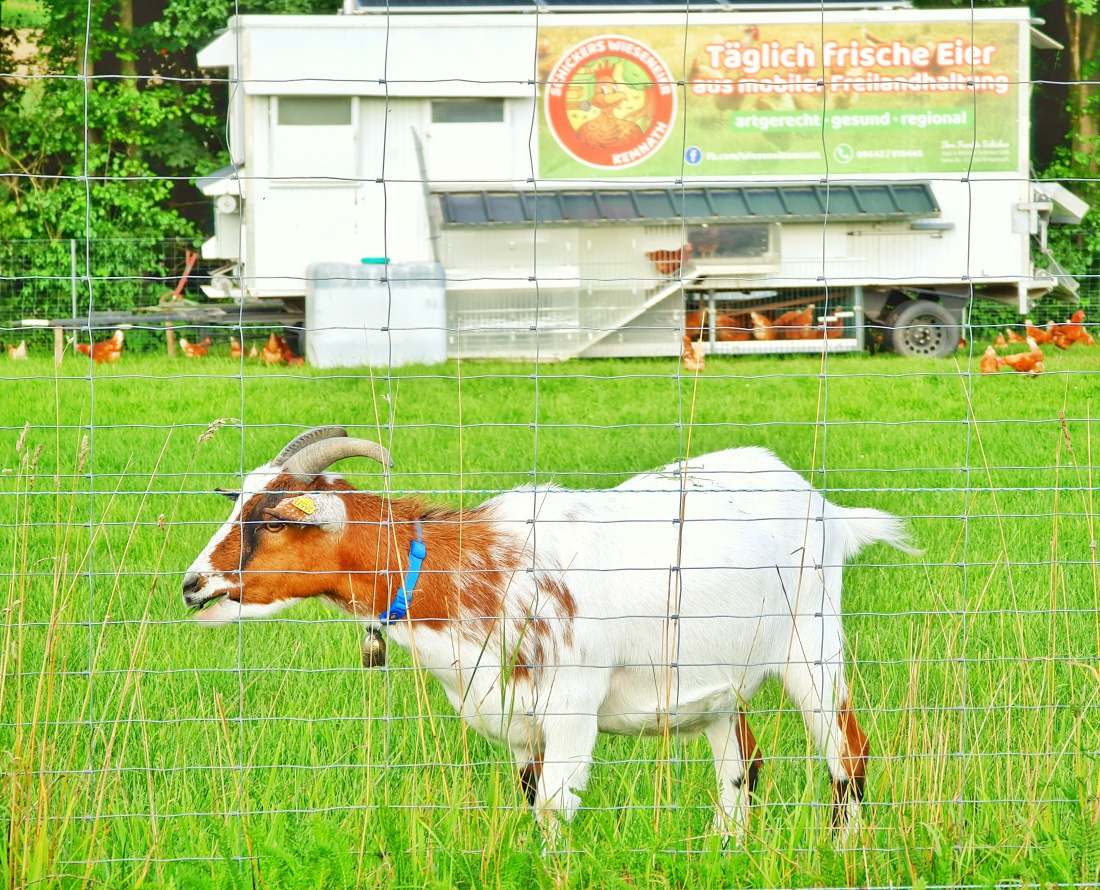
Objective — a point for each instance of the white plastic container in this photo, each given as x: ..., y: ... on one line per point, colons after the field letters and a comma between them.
x: 379, y: 314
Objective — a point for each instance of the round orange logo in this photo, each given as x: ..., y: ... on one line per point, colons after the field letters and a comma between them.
x: 610, y: 102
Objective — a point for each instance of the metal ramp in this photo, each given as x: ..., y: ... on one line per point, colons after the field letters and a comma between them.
x: 655, y: 298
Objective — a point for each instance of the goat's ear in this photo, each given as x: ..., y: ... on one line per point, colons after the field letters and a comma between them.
x: 312, y: 508
x: 228, y: 493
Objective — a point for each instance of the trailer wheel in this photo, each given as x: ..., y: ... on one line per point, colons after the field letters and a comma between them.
x: 924, y: 329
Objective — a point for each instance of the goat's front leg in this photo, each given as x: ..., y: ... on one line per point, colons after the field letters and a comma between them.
x: 737, y: 763
x: 567, y: 743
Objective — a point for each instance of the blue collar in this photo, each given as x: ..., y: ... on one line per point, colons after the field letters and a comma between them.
x: 403, y: 598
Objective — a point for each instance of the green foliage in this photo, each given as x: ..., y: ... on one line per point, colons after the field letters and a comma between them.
x: 113, y: 160
x: 21, y: 14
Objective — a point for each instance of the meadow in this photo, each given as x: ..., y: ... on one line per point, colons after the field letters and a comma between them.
x: 139, y: 749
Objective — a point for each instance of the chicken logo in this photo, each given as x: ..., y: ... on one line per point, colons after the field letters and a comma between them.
x: 610, y: 102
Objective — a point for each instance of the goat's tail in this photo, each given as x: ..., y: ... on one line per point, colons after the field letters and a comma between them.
x: 864, y: 526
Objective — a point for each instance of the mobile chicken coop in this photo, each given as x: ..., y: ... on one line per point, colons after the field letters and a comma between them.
x: 597, y: 180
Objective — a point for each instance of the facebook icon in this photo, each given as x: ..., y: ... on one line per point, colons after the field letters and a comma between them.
x: 693, y: 155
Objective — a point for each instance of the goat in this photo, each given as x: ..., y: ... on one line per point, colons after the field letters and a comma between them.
x: 551, y: 615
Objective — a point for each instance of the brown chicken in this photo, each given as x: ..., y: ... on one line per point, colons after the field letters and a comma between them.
x: 253, y: 352
x: 18, y: 353
x: 833, y: 329
x: 235, y: 348
x: 693, y: 356
x: 1039, y: 335
x: 668, y: 262
x: 762, y: 327
x: 105, y: 351
x: 288, y: 354
x: 727, y: 328
x: 1000, y: 342
x: 1013, y: 337
x: 797, y: 324
x: 695, y: 323
x: 1066, y: 334
x: 991, y: 362
x: 731, y: 328
x: 1030, y: 362
x: 272, y: 353
x: 195, y: 350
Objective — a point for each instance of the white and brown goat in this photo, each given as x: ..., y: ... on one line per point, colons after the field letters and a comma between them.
x: 551, y: 615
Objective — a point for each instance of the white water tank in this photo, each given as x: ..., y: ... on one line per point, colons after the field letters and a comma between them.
x: 377, y: 314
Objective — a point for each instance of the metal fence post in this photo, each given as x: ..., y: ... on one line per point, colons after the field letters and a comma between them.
x: 72, y: 284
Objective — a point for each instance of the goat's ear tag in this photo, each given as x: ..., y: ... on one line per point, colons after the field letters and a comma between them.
x: 305, y: 504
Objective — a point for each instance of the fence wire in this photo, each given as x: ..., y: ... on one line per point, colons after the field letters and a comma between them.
x: 544, y: 266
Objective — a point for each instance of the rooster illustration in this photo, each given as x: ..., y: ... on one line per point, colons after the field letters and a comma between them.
x: 607, y: 131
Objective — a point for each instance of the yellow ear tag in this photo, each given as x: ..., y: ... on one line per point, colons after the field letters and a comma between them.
x: 305, y: 504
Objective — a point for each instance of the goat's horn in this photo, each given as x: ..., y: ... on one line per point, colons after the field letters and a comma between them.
x: 317, y: 457
x: 317, y: 434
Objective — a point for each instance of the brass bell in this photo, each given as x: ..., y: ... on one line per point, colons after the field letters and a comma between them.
x: 374, y: 649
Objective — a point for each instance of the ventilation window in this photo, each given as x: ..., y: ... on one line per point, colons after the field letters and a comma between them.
x: 314, y: 111
x: 467, y: 111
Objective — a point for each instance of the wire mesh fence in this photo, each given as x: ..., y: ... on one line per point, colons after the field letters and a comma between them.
x: 549, y: 412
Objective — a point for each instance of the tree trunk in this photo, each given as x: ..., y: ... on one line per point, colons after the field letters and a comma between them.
x: 127, y: 66
x: 1084, y: 40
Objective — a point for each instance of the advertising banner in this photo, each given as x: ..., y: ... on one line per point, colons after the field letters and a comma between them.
x: 779, y: 99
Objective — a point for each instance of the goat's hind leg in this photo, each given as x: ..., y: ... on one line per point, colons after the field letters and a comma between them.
x: 737, y: 762
x: 822, y: 695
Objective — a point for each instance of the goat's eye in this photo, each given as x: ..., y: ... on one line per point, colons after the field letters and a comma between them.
x: 274, y: 526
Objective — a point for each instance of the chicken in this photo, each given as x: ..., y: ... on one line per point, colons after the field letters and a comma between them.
x: 830, y: 327
x: 288, y: 353
x: 1039, y: 335
x: 253, y: 352
x: 695, y: 323
x: 235, y: 348
x: 991, y: 362
x: 272, y: 353
x: 1066, y: 334
x: 731, y: 328
x: 1000, y: 342
x: 105, y: 351
x: 195, y: 350
x: 727, y: 328
x: 668, y: 262
x: 693, y: 355
x: 18, y: 353
x: 762, y: 327
x: 1013, y: 337
x: 1030, y: 362
x: 797, y: 324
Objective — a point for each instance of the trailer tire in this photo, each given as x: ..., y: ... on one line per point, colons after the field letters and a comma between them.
x: 923, y: 329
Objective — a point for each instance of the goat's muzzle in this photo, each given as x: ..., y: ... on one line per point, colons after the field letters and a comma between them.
x: 197, y: 592
x: 191, y: 594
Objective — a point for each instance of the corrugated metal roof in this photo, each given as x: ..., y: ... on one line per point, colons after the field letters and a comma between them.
x: 752, y: 203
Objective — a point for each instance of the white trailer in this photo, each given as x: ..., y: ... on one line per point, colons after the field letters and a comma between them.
x: 586, y: 177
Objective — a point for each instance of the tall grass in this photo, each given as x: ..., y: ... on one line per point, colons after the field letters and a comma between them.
x: 141, y: 750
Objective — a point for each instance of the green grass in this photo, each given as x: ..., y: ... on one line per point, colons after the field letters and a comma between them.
x: 141, y: 750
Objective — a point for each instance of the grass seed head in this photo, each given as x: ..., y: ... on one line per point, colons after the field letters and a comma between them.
x: 1065, y: 432
x: 214, y: 427
x: 22, y: 439
x: 82, y: 454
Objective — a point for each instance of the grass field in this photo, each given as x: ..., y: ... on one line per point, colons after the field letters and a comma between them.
x: 139, y: 749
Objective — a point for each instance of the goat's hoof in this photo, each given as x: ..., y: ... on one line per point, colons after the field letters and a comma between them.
x: 374, y: 649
